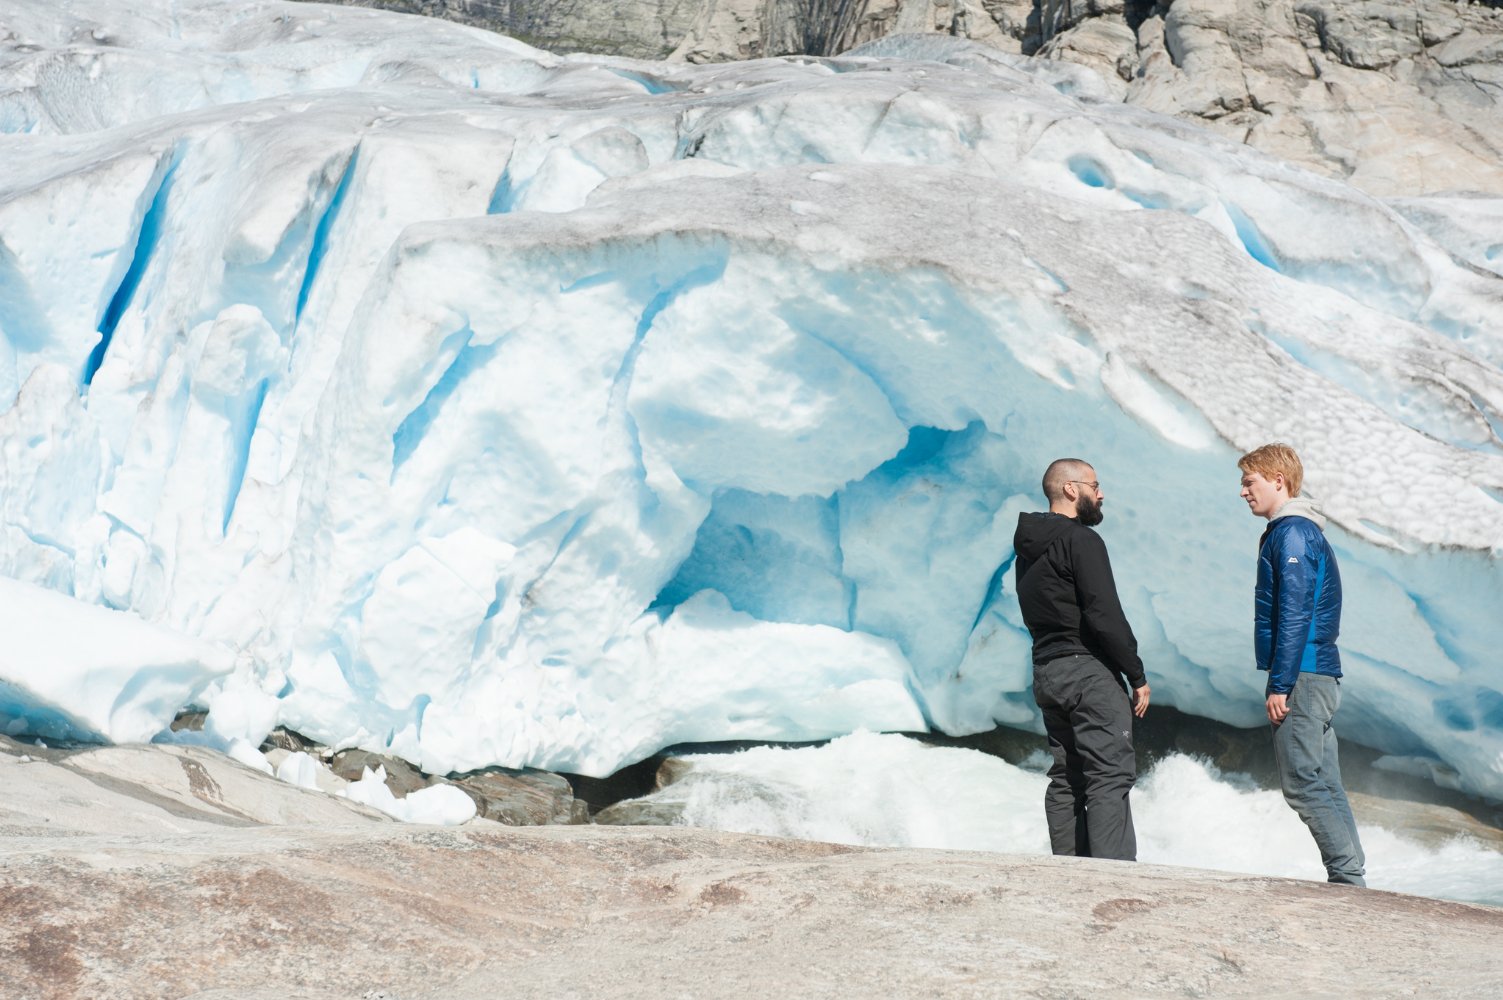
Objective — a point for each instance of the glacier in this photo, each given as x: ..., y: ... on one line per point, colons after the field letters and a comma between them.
x: 479, y: 405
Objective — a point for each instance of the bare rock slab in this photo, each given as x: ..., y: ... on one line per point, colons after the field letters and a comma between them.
x: 155, y: 884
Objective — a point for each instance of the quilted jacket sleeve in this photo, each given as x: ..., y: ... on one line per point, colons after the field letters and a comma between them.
x: 1295, y: 569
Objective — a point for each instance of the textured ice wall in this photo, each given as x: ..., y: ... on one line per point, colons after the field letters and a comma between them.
x: 502, y: 408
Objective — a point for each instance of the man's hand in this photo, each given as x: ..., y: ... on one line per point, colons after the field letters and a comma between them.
x: 1278, y: 707
x: 1140, y: 701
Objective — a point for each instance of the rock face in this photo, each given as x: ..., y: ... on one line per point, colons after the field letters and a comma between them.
x: 163, y: 872
x: 746, y: 29
x: 641, y: 29
x: 1401, y: 97
x: 717, y: 30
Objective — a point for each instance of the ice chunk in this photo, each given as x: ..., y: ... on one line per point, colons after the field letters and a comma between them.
x: 76, y: 671
x: 439, y: 805
x: 299, y: 769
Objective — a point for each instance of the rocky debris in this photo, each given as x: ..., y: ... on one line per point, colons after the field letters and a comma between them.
x: 526, y: 797
x: 138, y: 879
x: 522, y: 798
x: 401, y: 777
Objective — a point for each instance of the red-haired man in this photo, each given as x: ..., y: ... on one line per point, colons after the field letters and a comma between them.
x: 1297, y: 618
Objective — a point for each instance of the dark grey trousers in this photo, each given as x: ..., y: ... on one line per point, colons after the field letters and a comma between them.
x: 1088, y: 717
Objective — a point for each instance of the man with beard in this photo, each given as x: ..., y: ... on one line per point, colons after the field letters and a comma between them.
x: 1083, y: 648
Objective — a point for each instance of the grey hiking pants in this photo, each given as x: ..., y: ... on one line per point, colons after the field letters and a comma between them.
x: 1309, y: 770
x: 1088, y: 717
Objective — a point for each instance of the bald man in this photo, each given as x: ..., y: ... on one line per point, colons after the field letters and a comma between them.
x: 1083, y: 651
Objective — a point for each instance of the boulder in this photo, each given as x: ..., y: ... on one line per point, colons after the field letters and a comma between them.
x: 522, y: 798
x: 401, y: 777
x: 1106, y: 45
x: 282, y: 738
x: 651, y: 810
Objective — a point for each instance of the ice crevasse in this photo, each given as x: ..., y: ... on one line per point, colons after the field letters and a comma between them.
x: 485, y: 406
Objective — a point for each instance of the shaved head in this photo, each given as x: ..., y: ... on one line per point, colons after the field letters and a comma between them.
x: 1061, y: 471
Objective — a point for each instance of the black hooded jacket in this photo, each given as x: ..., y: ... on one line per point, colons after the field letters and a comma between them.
x: 1068, y: 596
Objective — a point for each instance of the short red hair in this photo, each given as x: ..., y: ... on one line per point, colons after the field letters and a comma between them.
x: 1275, y: 460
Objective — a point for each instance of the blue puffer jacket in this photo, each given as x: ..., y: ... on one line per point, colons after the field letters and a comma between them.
x: 1299, y: 599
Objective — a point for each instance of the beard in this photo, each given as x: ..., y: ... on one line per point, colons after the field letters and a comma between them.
x: 1088, y: 510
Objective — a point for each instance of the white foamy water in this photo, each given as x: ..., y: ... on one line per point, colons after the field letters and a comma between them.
x: 891, y: 791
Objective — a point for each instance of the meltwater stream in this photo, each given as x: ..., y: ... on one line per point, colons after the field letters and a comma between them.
x: 891, y: 791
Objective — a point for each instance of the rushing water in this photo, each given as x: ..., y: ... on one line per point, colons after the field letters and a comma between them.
x: 886, y: 790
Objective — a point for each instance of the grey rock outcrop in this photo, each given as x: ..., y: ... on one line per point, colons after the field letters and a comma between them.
x: 522, y: 797
x: 169, y: 872
x: 743, y: 29
x: 401, y: 777
x: 639, y: 29
x: 652, y: 808
x: 1400, y: 97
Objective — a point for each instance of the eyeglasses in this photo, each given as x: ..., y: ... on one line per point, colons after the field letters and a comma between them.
x: 1082, y: 482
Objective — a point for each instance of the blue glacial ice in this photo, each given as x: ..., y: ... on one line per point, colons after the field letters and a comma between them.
x: 485, y: 406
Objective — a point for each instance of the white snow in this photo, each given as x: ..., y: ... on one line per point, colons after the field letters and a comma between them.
x: 437, y: 805
x: 501, y: 408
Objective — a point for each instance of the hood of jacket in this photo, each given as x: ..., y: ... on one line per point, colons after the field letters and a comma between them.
x: 1036, y: 532
x: 1300, y: 507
